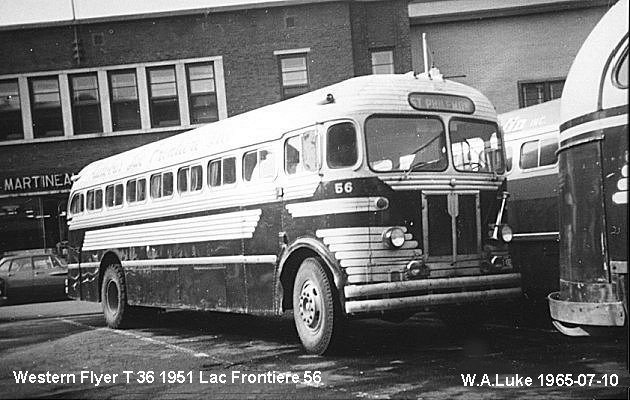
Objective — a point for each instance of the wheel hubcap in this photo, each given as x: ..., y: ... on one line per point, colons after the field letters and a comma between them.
x: 112, y: 296
x: 310, y: 306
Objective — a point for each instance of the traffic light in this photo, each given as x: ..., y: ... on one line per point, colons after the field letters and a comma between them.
x: 77, y: 51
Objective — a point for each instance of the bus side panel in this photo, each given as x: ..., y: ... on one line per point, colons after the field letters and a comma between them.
x: 533, y: 208
x: 259, y: 277
x: 583, y: 273
x: 615, y: 158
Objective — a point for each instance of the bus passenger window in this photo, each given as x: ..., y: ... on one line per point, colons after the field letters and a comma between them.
x: 131, y: 190
x: 292, y: 149
x: 508, y: 158
x: 250, y: 160
x: 229, y: 170
x: 182, y: 180
x: 214, y: 173
x: 113, y: 195
x: 167, y: 184
x: 141, y: 190
x: 196, y: 178
x: 341, y: 145
x: 94, y: 199
x: 529, y: 155
x: 548, y: 148
x: 76, y: 204
x: 156, y: 186
x: 267, y: 164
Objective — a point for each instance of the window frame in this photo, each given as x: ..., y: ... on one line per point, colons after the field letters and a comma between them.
x: 122, y: 200
x: 539, y: 146
x: 19, y: 110
x: 546, y: 82
x: 359, y: 145
x: 136, y: 201
x: 33, y: 108
x: 188, y: 173
x: 94, y: 210
x: 299, y: 87
x: 81, y: 198
x: 222, y: 160
x: 318, y: 149
x: 258, y: 151
x: 151, y: 98
x: 73, y: 103
x: 382, y: 50
x: 190, y: 94
x: 111, y: 88
x: 162, y: 196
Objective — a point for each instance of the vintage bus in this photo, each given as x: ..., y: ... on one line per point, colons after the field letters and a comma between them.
x: 531, y: 143
x: 378, y: 196
x: 593, y: 183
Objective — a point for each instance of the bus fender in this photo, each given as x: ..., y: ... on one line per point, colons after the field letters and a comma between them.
x: 320, y: 249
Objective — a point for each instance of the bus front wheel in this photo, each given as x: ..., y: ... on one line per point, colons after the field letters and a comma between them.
x: 114, y: 297
x: 317, y: 318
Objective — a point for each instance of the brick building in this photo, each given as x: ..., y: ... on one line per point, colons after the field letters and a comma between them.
x: 84, y: 84
x: 516, y: 52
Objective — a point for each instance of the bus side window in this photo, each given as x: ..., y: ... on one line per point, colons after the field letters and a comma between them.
x: 529, y: 155
x: 508, y: 158
x: 94, y: 199
x: 229, y: 170
x: 548, y: 148
x: 292, y: 155
x: 341, y: 145
x: 250, y: 160
x: 76, y: 204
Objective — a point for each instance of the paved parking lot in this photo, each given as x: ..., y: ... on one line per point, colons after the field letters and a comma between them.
x: 64, y: 350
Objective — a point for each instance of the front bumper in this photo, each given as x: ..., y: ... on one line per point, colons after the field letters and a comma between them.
x: 417, y: 294
x: 583, y: 313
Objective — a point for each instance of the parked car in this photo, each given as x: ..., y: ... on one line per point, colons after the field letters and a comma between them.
x: 32, y: 277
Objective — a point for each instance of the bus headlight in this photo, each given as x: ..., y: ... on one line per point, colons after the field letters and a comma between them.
x: 506, y: 233
x: 394, y: 238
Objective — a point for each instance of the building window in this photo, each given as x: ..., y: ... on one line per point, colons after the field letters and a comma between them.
x: 10, y: 112
x: 163, y: 97
x: 294, y: 74
x: 86, y: 109
x: 532, y: 93
x: 202, y: 97
x: 124, y: 100
x: 46, y: 107
x: 383, y: 62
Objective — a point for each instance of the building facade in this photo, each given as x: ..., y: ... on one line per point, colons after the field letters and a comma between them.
x: 72, y: 92
x: 516, y: 52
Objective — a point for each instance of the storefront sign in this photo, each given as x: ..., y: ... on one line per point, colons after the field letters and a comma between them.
x: 36, y: 183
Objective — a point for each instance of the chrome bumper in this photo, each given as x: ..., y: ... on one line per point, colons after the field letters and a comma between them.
x: 581, y: 313
x: 401, y: 295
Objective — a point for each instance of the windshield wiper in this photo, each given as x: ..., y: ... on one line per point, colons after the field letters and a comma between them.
x: 417, y: 165
x: 421, y: 163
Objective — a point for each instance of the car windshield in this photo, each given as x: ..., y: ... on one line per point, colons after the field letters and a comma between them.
x: 476, y: 146
x: 406, y: 143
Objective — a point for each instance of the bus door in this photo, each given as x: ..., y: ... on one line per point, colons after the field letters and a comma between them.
x: 451, y: 225
x: 301, y: 177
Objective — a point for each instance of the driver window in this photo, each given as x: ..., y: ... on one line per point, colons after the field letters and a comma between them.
x: 301, y: 153
x: 341, y: 145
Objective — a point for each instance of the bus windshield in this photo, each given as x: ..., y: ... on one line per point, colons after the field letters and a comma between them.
x: 404, y: 143
x: 476, y: 146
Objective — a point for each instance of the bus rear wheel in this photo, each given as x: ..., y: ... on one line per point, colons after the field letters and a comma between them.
x: 114, y: 297
x: 317, y: 318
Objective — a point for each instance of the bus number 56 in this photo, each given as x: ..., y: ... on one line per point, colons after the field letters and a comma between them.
x: 341, y: 187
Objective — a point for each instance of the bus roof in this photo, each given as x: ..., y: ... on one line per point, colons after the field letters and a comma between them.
x: 352, y: 97
x: 581, y: 92
x: 531, y: 121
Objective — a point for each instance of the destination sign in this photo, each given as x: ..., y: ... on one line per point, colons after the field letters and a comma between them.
x: 441, y: 102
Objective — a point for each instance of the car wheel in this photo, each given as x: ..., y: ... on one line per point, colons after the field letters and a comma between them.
x: 114, y: 297
x: 316, y: 313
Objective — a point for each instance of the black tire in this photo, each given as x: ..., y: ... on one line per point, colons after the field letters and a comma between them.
x: 114, y: 298
x: 316, y: 311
